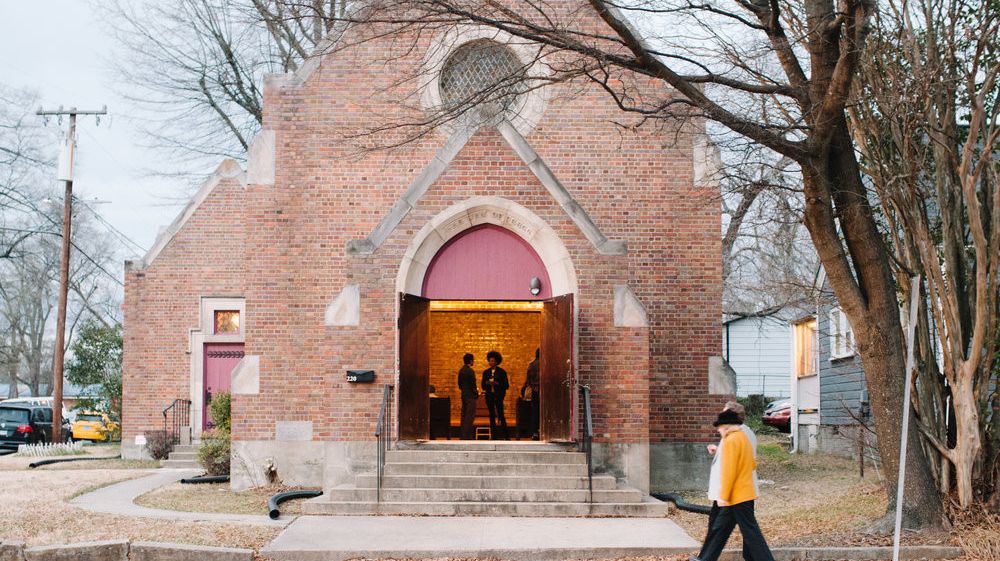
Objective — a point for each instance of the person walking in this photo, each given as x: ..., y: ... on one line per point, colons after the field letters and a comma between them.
x: 731, y: 490
x: 741, y: 414
x: 495, y: 384
x: 470, y: 395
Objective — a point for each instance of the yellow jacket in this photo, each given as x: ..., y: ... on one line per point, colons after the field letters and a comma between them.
x: 738, y: 464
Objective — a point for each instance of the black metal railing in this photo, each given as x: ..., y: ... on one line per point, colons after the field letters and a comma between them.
x: 175, y: 416
x: 383, y: 437
x: 587, y: 442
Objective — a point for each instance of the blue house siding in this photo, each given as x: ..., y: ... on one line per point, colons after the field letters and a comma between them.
x: 841, y: 381
x: 759, y: 351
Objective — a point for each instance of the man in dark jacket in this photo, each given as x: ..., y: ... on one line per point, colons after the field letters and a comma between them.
x: 470, y: 394
x: 495, y: 386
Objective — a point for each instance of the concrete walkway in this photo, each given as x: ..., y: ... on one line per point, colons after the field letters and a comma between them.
x: 117, y: 499
x: 334, y: 538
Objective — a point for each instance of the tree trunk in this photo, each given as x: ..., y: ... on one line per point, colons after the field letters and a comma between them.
x: 837, y: 205
x: 967, y: 439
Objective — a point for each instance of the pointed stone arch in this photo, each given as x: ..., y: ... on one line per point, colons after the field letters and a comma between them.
x: 461, y: 216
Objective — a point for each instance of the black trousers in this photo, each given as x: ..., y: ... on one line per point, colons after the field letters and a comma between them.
x: 722, y: 520
x: 468, y: 431
x: 498, y: 423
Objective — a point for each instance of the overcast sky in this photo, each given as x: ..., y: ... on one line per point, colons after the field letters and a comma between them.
x: 59, y: 49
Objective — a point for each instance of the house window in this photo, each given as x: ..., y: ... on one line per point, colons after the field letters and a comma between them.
x: 805, y: 348
x: 841, y: 335
x: 227, y: 322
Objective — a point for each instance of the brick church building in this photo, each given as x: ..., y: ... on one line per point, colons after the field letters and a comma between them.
x: 533, y: 221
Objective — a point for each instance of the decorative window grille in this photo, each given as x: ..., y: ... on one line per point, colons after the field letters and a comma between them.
x: 841, y: 335
x: 481, y: 78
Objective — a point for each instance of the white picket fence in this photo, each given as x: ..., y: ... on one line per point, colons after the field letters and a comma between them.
x: 50, y: 449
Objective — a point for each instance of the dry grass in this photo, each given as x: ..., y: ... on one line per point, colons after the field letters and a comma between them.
x: 34, y: 508
x: 811, y: 500
x: 216, y: 497
x: 977, y: 531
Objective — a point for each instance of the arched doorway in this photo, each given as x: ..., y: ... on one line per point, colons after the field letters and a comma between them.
x: 485, y: 287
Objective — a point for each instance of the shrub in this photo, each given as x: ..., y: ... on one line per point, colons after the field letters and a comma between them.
x: 213, y: 455
x: 159, y: 444
x: 220, y: 411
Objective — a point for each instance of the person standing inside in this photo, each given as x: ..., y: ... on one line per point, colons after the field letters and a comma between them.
x: 731, y: 489
x: 470, y: 394
x: 530, y: 393
x: 495, y: 385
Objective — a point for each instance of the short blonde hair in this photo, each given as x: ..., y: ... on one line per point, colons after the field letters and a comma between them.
x: 735, y: 407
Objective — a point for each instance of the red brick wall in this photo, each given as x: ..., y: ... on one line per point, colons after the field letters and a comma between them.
x: 636, y: 185
x: 515, y: 335
x: 162, y: 303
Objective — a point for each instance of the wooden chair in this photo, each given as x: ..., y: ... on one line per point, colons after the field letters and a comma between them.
x: 482, y: 422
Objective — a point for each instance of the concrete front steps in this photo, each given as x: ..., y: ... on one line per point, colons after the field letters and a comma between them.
x: 486, y: 479
x: 184, y: 456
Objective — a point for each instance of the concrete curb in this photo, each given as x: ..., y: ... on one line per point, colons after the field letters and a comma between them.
x: 115, y: 550
x: 158, y: 551
x: 12, y: 550
x: 121, y: 550
x: 909, y: 553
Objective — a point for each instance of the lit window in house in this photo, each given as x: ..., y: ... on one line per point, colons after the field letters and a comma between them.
x: 841, y: 335
x: 805, y: 348
x: 227, y: 322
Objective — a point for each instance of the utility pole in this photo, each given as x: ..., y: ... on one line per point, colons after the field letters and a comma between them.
x: 65, y: 173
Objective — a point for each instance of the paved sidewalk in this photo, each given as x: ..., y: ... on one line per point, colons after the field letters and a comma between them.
x: 334, y: 538
x: 117, y: 499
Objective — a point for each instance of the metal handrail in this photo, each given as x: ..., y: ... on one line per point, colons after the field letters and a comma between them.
x: 181, y: 413
x: 587, y: 442
x: 382, y: 438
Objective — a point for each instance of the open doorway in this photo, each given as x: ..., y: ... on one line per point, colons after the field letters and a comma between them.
x: 434, y: 336
x: 485, y: 289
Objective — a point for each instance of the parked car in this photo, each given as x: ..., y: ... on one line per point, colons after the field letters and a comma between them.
x: 28, y: 424
x: 96, y: 426
x: 778, y: 414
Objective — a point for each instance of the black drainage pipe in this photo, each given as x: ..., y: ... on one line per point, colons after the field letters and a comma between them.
x: 274, y: 501
x: 207, y: 479
x: 40, y: 463
x: 681, y: 503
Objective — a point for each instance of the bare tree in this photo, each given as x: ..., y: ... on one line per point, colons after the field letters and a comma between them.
x: 193, y: 68
x: 725, y: 62
x: 928, y: 128
x: 29, y: 249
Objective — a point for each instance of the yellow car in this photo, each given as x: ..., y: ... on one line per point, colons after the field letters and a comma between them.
x: 91, y: 425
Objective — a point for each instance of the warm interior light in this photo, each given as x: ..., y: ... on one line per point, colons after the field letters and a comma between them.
x: 484, y: 306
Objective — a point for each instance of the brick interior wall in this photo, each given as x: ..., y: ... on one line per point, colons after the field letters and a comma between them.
x: 515, y: 335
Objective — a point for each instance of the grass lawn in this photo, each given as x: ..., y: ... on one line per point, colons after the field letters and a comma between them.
x: 216, y: 497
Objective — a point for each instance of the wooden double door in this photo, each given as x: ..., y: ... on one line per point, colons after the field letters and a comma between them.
x: 555, y: 368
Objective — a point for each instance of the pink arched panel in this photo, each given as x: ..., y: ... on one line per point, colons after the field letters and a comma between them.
x: 485, y: 263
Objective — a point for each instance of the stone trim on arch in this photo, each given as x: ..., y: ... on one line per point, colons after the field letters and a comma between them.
x: 532, y: 161
x: 487, y: 210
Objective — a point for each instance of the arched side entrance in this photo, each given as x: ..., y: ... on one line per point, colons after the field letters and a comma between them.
x: 466, y: 282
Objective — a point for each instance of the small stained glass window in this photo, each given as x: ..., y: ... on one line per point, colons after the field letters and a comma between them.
x: 227, y: 321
